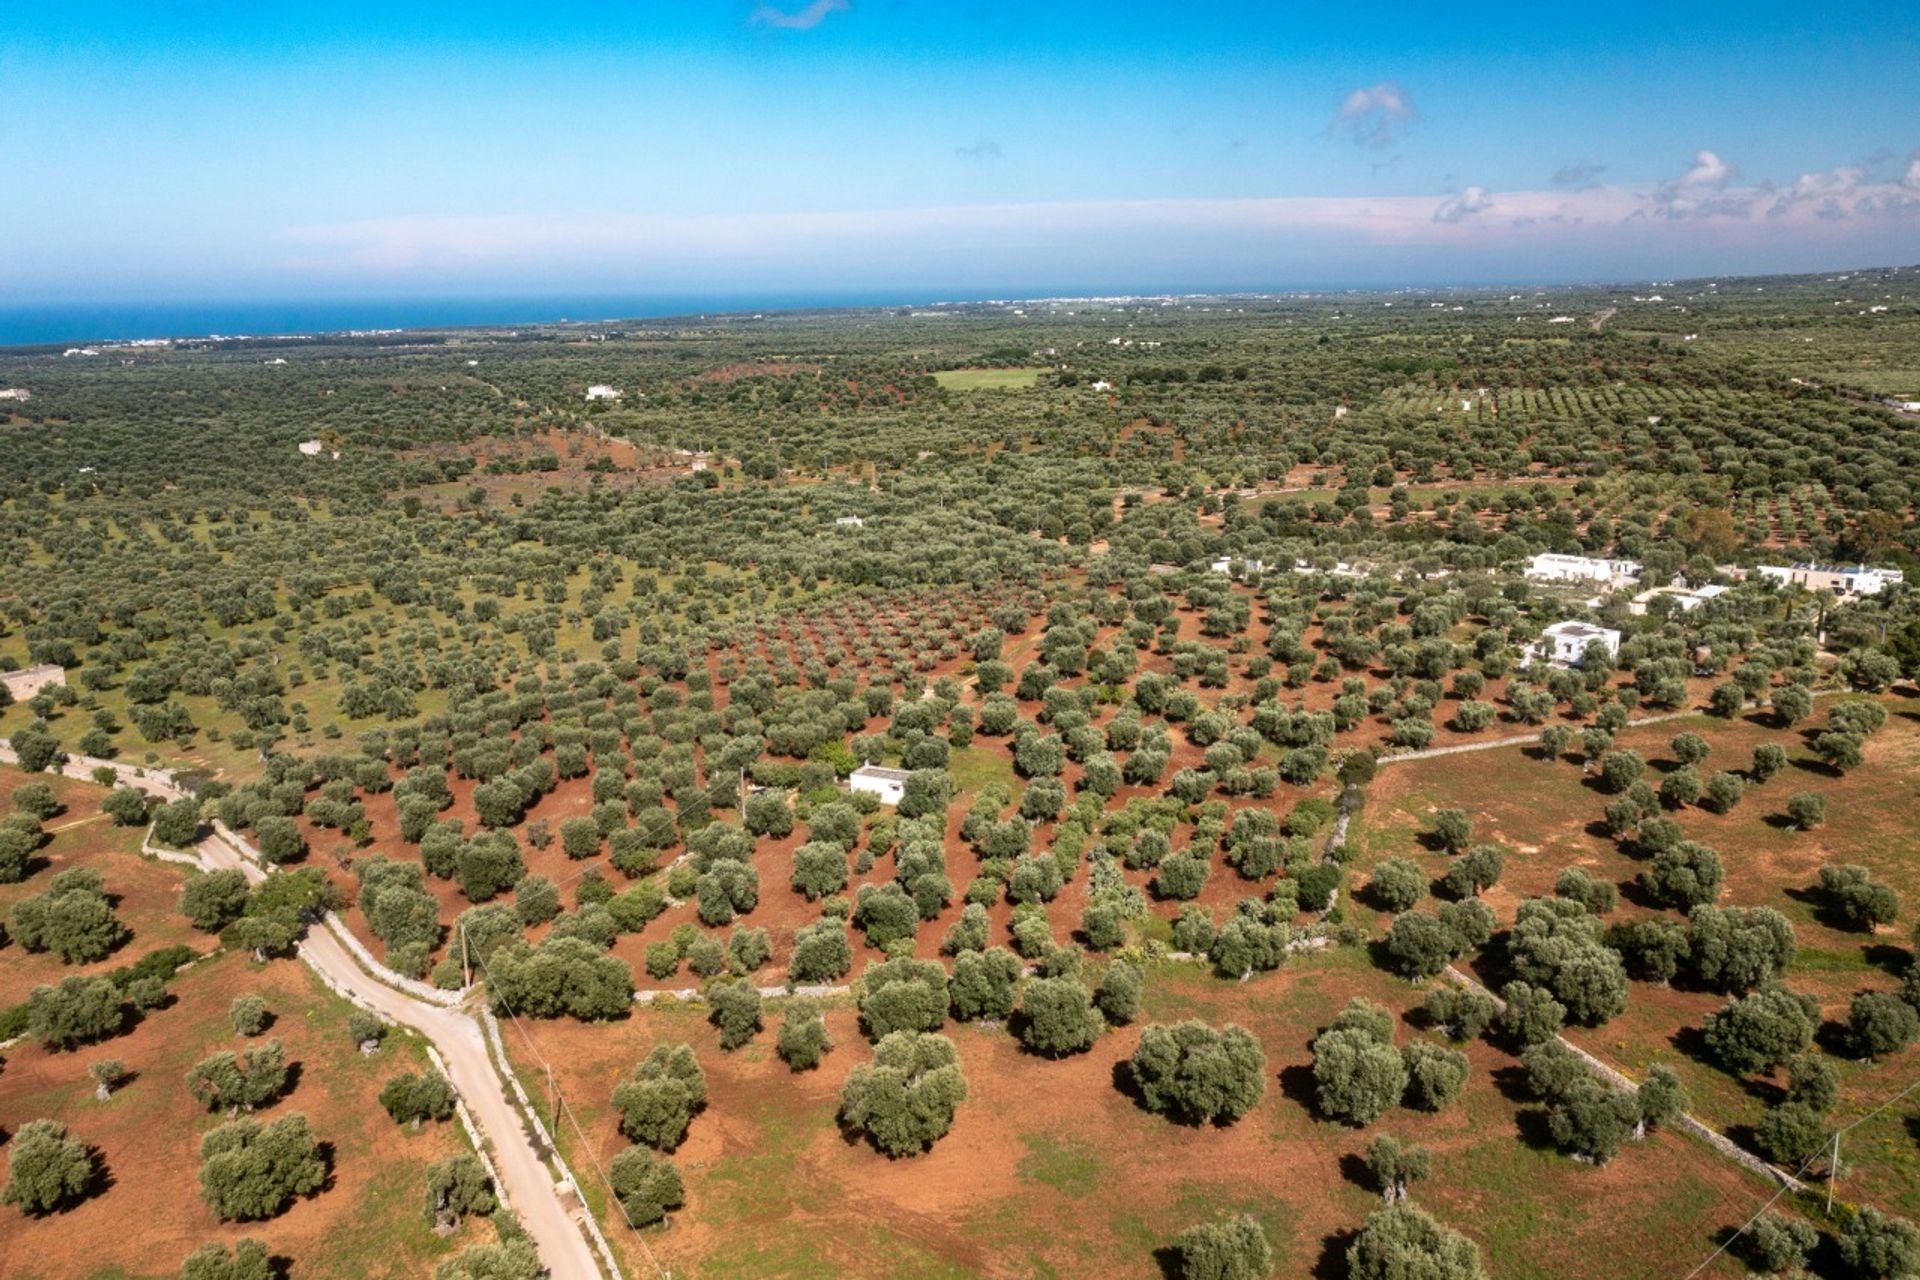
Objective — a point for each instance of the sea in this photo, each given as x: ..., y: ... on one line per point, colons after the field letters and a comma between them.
x: 126, y: 322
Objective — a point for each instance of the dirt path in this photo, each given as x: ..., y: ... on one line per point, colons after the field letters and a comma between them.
x: 529, y: 1187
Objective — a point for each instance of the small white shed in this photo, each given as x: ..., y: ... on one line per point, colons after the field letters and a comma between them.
x: 888, y: 784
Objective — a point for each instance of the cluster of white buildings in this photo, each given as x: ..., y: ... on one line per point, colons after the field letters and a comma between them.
x: 1841, y: 579
x: 1551, y: 566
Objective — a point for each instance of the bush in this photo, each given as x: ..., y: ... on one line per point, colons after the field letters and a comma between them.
x: 1118, y: 995
x: 1236, y: 1249
x: 666, y: 1091
x: 984, y: 983
x: 1398, y: 883
x: 646, y: 1185
x: 1862, y: 902
x: 561, y: 976
x: 1880, y: 1023
x: 903, y: 994
x: 248, y: 1260
x: 904, y: 1100
x: 232, y: 1082
x: 456, y: 1187
x: 78, y: 1011
x: 249, y: 1015
x: 1195, y: 1074
x: 48, y: 1168
x: 250, y: 1171
x: 512, y: 1260
x: 1458, y: 1012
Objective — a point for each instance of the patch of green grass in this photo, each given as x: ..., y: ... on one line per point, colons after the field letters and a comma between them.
x: 1069, y: 1167
x: 987, y: 379
x: 975, y: 768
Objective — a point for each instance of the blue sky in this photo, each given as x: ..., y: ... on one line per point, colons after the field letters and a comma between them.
x: 199, y: 148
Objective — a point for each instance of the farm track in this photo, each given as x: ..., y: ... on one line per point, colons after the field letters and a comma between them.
x: 528, y: 1185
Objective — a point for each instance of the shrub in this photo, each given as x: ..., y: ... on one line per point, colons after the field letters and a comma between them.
x: 1401, y: 1242
x: 1760, y: 1031
x: 803, y: 1041
x: 456, y: 1187
x: 1435, y: 1075
x: 1057, y: 1017
x: 409, y: 1098
x: 736, y: 1012
x: 1398, y: 883
x: 983, y: 985
x: 213, y: 900
x: 248, y: 1260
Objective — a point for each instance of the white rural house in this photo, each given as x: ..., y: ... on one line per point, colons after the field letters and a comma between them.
x: 1564, y: 643
x: 27, y: 681
x: 888, y: 784
x: 15, y: 393
x: 1841, y: 579
x: 601, y: 391
x: 1684, y: 598
x: 314, y: 448
x: 1225, y: 565
x: 850, y: 522
x: 1553, y: 567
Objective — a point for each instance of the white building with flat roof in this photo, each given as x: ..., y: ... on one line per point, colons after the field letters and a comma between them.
x: 890, y: 785
x: 1551, y: 566
x: 601, y: 391
x: 1840, y: 579
x: 1564, y: 644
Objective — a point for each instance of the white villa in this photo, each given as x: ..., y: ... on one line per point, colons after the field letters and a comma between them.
x: 1564, y: 644
x: 1553, y: 567
x: 1841, y: 579
x: 888, y: 784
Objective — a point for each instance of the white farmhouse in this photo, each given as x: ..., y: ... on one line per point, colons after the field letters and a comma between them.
x: 15, y: 393
x: 1553, y: 567
x: 1225, y: 565
x: 1840, y: 579
x: 1564, y: 643
x: 1685, y: 599
x: 850, y: 522
x: 601, y: 391
x: 877, y: 780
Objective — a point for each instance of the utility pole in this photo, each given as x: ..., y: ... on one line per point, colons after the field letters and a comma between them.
x: 1833, y: 1174
x: 553, y: 1098
x: 466, y: 955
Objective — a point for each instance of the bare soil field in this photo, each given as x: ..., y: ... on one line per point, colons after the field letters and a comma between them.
x: 368, y: 1221
x: 1052, y: 1170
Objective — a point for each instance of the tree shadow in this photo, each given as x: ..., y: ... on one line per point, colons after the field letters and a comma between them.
x: 1172, y: 1266
x: 1513, y: 1083
x: 1692, y: 1042
x: 1332, y: 1262
x: 1353, y: 1167
x: 1894, y: 960
x: 1296, y: 1084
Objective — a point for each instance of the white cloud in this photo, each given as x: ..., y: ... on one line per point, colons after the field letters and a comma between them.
x: 983, y: 149
x: 1463, y: 206
x: 1374, y: 116
x: 1578, y: 176
x: 1702, y: 191
x: 804, y: 20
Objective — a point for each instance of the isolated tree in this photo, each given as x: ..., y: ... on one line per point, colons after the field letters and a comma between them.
x: 126, y: 806
x: 1790, y: 1133
x: 904, y: 1100
x: 666, y: 1091
x: 250, y: 1171
x: 1395, y: 1166
x: 457, y: 1187
x: 249, y: 1014
x: 410, y: 1098
x: 73, y: 919
x: 1855, y: 897
x: 247, y: 1260
x: 1197, y: 1074
x: 213, y: 900
x: 1452, y: 830
x: 1806, y: 809
x: 646, y: 1184
x: 1479, y: 869
x: 48, y: 1168
x: 1760, y: 1031
x: 1880, y: 1023
x: 736, y: 1012
x: 1057, y: 1017
x: 1775, y: 1244
x: 1357, y: 1073
x: 1401, y: 1242
x: 1398, y: 883
x: 1235, y: 1249
x: 803, y: 1041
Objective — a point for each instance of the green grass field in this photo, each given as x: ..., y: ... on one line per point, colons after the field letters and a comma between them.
x: 987, y: 379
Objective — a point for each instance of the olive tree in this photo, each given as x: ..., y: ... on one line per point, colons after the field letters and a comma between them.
x: 803, y: 1041
x: 247, y: 1260
x: 457, y: 1187
x: 1399, y: 1242
x: 666, y: 1091
x: 1235, y: 1249
x: 48, y: 1168
x: 1057, y: 1017
x: 646, y: 1184
x: 250, y: 1171
x: 904, y: 1100
x: 1197, y: 1074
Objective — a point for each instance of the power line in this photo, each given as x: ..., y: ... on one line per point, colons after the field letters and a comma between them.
x: 563, y: 1107
x: 1804, y: 1166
